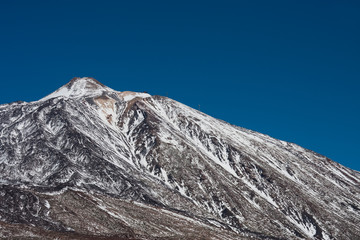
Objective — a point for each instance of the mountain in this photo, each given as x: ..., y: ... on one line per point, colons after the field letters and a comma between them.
x: 89, y: 162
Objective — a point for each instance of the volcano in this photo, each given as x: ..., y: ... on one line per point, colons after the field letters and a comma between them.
x: 89, y: 162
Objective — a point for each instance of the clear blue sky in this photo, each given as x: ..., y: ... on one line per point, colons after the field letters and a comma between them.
x: 290, y: 69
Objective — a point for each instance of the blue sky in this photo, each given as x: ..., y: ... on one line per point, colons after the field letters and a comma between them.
x: 289, y: 69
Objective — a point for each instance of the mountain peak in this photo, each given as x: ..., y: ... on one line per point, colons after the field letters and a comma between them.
x: 87, y: 80
x: 90, y: 87
x: 79, y: 87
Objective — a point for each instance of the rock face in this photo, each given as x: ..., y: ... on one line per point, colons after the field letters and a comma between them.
x: 88, y: 162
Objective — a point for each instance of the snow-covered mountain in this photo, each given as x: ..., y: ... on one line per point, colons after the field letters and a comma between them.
x: 89, y: 162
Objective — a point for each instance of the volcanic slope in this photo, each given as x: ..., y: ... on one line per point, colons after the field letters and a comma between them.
x: 89, y: 162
